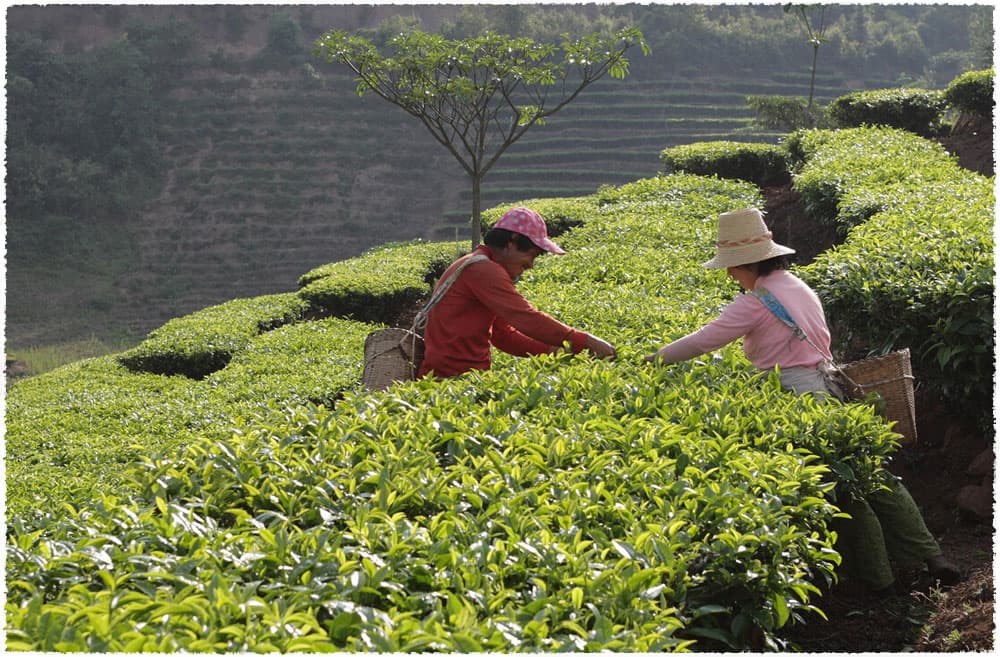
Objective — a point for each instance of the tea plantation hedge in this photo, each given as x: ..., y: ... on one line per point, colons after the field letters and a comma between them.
x: 916, y: 269
x: 382, y: 280
x: 972, y: 92
x: 201, y: 343
x: 915, y: 110
x: 557, y: 503
x: 764, y: 165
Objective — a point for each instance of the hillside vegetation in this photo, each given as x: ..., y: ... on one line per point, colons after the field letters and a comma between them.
x: 257, y: 500
x: 236, y: 160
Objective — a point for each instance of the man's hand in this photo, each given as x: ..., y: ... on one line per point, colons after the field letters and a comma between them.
x: 599, y: 347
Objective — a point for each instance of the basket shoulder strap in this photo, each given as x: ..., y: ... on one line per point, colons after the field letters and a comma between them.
x: 778, y: 309
x: 420, y: 321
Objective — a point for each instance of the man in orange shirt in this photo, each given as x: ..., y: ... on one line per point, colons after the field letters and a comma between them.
x: 483, y: 307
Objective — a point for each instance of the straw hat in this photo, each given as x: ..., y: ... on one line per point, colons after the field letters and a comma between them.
x: 743, y: 239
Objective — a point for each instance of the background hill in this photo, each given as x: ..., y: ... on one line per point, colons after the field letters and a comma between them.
x: 210, y: 156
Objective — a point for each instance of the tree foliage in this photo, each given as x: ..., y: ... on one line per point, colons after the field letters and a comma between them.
x: 83, y: 130
x: 815, y: 28
x: 478, y: 96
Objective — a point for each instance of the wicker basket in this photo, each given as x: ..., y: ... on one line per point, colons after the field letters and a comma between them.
x: 891, y: 377
x: 391, y: 355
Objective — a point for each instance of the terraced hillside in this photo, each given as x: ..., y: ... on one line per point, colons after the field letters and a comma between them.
x: 271, y: 176
x: 275, y: 173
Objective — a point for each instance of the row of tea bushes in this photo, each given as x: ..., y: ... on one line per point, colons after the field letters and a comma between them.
x: 560, y: 504
x: 70, y: 433
x: 205, y: 341
x: 764, y: 165
x: 383, y: 280
x: 916, y: 269
x: 369, y: 288
x: 917, y: 110
x: 846, y: 176
x: 555, y: 503
x: 972, y: 92
x: 560, y: 214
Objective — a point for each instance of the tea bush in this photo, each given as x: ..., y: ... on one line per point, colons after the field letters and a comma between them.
x: 839, y: 164
x: 916, y: 269
x: 560, y: 214
x: 560, y: 504
x: 69, y: 432
x: 376, y: 284
x: 915, y: 110
x: 762, y: 164
x: 306, y: 362
x: 201, y: 343
x: 972, y: 92
x: 557, y: 503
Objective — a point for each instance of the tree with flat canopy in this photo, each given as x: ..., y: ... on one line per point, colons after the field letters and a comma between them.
x: 478, y: 96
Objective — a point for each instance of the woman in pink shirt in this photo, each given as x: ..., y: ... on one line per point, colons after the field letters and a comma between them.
x: 753, y: 259
x: 887, y: 521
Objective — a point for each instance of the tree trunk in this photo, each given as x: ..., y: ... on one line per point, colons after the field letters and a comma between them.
x: 812, y: 80
x: 475, y: 224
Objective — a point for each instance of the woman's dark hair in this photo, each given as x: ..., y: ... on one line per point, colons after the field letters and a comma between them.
x: 498, y: 238
x: 765, y: 267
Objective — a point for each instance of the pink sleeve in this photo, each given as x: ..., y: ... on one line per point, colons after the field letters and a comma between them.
x: 736, y: 320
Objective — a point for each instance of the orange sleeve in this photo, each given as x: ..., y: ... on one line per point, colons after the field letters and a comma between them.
x: 520, y: 328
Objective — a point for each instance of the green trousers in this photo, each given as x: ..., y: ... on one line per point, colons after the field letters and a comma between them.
x: 885, y: 527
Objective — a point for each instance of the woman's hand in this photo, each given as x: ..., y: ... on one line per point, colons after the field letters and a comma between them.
x: 599, y: 347
x: 656, y: 357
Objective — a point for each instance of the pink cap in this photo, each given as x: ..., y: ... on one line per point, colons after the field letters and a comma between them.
x: 529, y: 223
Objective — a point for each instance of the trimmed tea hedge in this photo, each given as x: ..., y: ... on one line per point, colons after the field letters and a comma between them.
x: 560, y: 214
x: 764, y: 165
x: 307, y: 362
x: 916, y: 269
x: 70, y: 432
x: 560, y: 504
x: 915, y: 110
x: 203, y: 342
x: 380, y: 282
x: 843, y: 170
x: 972, y: 92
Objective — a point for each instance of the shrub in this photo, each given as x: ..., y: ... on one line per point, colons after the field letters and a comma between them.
x: 307, y: 362
x: 783, y: 112
x: 201, y: 343
x: 762, y: 164
x: 377, y: 285
x: 70, y: 432
x: 916, y: 269
x: 864, y: 159
x: 801, y: 144
x: 972, y: 92
x: 915, y: 110
x: 560, y: 214
x: 561, y: 504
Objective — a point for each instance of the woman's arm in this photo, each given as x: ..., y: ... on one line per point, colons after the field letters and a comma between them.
x: 735, y: 321
x: 683, y: 349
